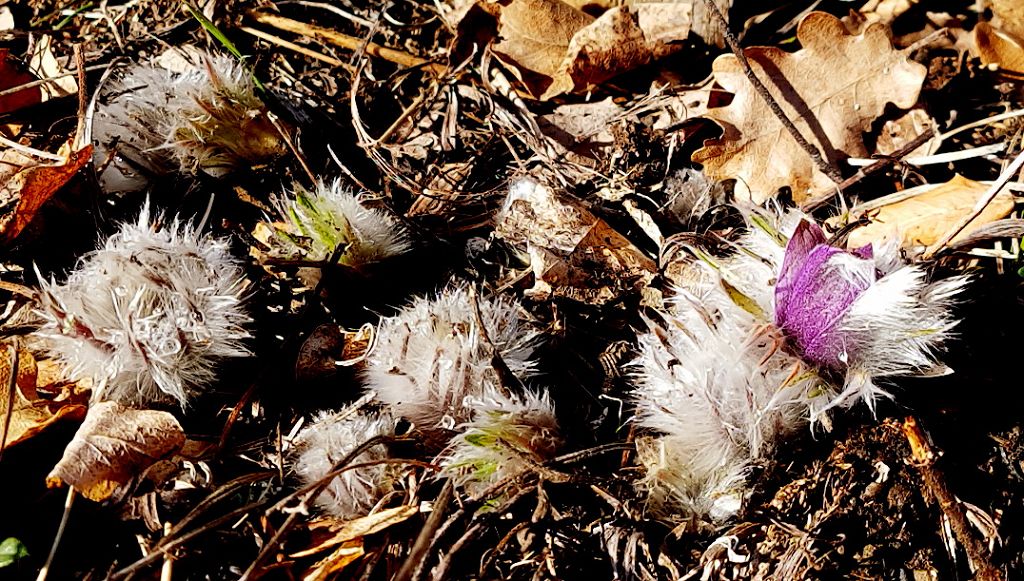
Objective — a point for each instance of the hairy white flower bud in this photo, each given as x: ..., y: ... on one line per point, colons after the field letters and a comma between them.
x: 330, y: 219
x: 430, y: 361
x: 326, y: 442
x: 508, y: 435
x: 721, y: 391
x: 149, y: 315
x: 206, y: 117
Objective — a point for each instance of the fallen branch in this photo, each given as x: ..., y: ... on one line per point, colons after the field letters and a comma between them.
x: 345, y: 41
x: 821, y: 199
x: 924, y: 460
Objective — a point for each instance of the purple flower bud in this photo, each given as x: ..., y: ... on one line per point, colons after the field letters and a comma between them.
x: 816, y: 288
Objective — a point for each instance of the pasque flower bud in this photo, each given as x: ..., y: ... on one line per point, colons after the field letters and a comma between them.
x: 430, y: 361
x: 863, y: 314
x: 149, y: 315
x: 755, y: 344
x: 331, y: 220
x: 327, y: 441
x: 206, y: 117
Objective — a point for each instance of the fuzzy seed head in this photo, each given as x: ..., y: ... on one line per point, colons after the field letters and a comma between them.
x: 507, y: 436
x: 430, y: 361
x: 149, y: 315
x: 319, y: 447
x: 331, y: 219
x: 206, y: 118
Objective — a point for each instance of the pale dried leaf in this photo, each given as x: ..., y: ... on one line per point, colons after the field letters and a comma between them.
x: 582, y: 128
x: 30, y: 414
x: 336, y: 561
x: 554, y: 48
x: 897, y: 133
x: 996, y: 48
x: 573, y: 253
x: 1008, y: 16
x: 333, y: 532
x: 6, y: 19
x: 44, y: 65
x: 453, y: 11
x: 706, y: 26
x: 884, y: 11
x: 832, y: 89
x: 114, y: 444
x: 920, y: 217
x: 535, y: 37
x: 620, y: 40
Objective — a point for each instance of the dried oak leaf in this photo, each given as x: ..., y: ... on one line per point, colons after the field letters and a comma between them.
x: 573, y: 253
x: 555, y: 48
x: 114, y: 444
x: 29, y: 413
x: 832, y: 89
x: 1008, y: 16
x: 920, y: 216
x: 33, y: 186
x: 997, y: 48
x: 11, y: 76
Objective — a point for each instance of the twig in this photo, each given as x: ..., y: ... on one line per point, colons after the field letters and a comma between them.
x: 993, y: 190
x: 493, y: 554
x: 308, y: 494
x: 734, y: 45
x: 291, y: 46
x: 507, y: 380
x: 345, y: 41
x: 29, y: 150
x: 48, y: 80
x: 468, y: 506
x: 167, y: 570
x: 83, y: 99
x: 924, y: 459
x: 159, y: 551
x: 442, y: 567
x: 820, y: 200
x: 60, y: 533
x: 419, y: 548
x: 981, y: 122
x: 291, y: 146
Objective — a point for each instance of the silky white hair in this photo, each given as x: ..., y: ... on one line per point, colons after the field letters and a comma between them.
x: 332, y: 217
x: 149, y: 315
x: 508, y: 435
x: 207, y: 117
x: 430, y: 360
x: 328, y: 440
x: 718, y: 389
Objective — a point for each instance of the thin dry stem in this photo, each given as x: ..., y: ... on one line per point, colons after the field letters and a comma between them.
x: 818, y: 201
x: 345, y: 41
x: 993, y: 190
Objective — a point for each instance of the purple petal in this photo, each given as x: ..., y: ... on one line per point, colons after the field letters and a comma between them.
x: 820, y: 292
x: 805, y: 238
x: 866, y: 251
